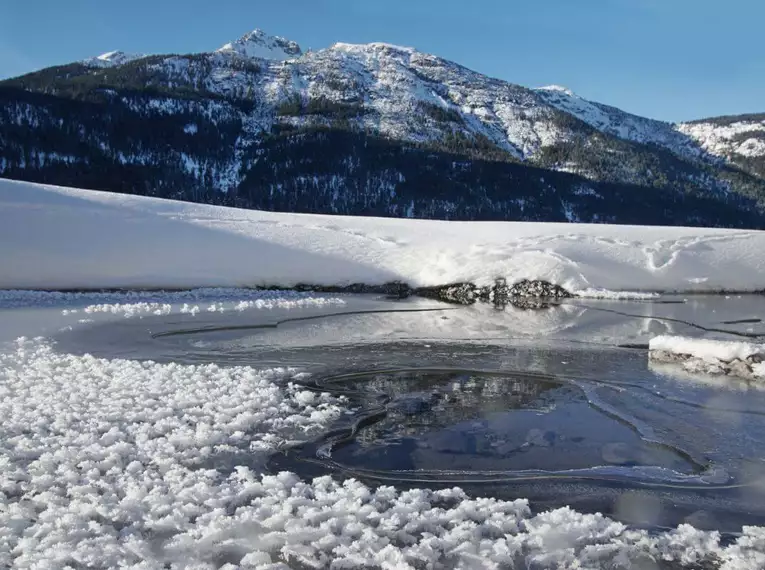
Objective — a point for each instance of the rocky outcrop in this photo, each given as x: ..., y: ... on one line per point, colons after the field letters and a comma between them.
x: 526, y: 294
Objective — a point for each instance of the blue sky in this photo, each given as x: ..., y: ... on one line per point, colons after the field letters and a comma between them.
x: 667, y: 59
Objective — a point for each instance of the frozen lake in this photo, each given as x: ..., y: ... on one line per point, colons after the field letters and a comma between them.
x: 558, y: 405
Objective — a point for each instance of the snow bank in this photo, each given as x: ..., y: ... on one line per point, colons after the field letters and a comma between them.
x: 114, y: 463
x: 710, y: 356
x: 60, y: 238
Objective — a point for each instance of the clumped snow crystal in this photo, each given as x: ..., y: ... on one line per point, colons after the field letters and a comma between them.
x: 708, y: 356
x: 97, y: 456
x: 109, y: 463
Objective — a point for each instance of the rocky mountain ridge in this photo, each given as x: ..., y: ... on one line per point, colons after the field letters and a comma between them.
x: 372, y: 128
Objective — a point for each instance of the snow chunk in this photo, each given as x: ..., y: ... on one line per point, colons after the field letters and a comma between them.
x: 725, y: 351
x: 710, y: 356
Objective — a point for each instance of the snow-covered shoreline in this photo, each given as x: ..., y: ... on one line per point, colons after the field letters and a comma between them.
x: 57, y: 238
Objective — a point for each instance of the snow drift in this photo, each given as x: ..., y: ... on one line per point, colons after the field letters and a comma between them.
x: 63, y: 238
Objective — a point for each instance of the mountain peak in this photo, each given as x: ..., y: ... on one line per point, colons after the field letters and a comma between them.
x: 112, y: 58
x: 259, y: 44
x: 558, y: 89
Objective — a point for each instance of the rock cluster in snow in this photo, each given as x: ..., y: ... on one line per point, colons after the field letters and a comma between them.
x: 740, y: 359
x: 534, y: 288
x: 500, y: 293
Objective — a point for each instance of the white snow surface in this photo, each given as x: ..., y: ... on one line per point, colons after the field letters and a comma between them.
x: 64, y: 238
x: 616, y: 295
x: 91, y: 445
x: 129, y: 310
x: 108, y: 463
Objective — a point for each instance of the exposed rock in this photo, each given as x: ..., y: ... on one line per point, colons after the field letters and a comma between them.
x: 524, y: 294
x: 536, y: 288
x: 500, y: 294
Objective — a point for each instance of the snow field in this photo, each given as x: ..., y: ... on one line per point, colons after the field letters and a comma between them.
x: 63, y: 238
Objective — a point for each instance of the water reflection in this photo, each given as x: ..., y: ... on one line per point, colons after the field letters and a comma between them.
x: 463, y: 421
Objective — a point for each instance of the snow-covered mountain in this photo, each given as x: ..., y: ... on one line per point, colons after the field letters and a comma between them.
x: 263, y: 124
